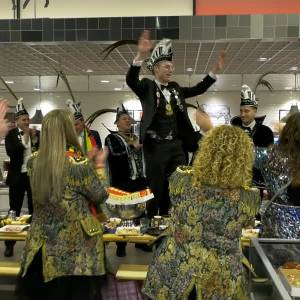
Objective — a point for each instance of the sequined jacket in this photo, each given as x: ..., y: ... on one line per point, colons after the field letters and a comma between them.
x: 274, y: 168
x: 202, y: 247
x: 281, y: 218
x: 56, y: 228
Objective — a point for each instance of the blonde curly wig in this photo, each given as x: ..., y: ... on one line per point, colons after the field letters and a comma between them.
x: 225, y: 158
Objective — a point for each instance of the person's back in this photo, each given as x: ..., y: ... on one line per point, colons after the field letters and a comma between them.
x: 64, y: 247
x: 213, y: 217
x: 211, y: 203
x: 280, y: 167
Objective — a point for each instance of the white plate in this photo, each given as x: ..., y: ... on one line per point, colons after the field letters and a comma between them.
x: 13, y: 228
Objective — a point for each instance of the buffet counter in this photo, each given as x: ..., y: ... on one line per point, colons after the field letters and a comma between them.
x: 108, y: 237
x: 278, y: 261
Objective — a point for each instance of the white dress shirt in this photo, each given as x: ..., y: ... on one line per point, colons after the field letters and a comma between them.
x: 27, y: 151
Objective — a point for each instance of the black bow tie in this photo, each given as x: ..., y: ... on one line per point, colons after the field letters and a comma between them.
x: 246, y: 128
x: 162, y: 87
x: 21, y: 132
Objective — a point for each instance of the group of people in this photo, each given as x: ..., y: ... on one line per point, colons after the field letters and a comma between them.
x: 209, y: 202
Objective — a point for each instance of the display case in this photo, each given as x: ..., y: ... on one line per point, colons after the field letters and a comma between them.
x: 276, y: 263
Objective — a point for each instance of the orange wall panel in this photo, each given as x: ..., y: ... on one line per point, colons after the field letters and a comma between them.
x: 249, y: 7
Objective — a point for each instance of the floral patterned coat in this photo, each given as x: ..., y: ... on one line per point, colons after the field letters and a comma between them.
x: 202, y: 247
x: 56, y: 228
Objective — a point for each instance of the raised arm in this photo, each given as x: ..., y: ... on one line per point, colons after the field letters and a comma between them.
x: 208, y: 80
x: 143, y: 51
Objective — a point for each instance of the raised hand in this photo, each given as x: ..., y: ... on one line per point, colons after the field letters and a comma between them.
x: 203, y: 120
x: 4, y: 124
x: 145, y: 45
x: 219, y: 63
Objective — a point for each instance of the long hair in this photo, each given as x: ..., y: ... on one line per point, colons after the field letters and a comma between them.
x: 57, y: 135
x: 225, y: 159
x: 289, y: 143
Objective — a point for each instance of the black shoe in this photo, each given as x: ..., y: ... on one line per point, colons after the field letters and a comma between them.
x: 9, y: 251
x: 143, y: 247
x: 121, y: 250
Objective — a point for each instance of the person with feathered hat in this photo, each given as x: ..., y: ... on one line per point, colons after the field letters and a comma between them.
x: 19, y: 146
x: 261, y: 135
x: 166, y: 131
x: 125, y: 160
x: 88, y: 138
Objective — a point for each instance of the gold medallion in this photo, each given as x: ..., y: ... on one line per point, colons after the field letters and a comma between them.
x: 169, y: 110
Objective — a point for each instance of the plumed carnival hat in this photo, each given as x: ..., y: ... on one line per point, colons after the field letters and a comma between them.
x: 248, y: 97
x: 75, y: 109
x: 121, y: 110
x: 20, y: 109
x: 161, y: 52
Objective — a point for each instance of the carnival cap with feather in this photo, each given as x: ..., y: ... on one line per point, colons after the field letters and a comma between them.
x: 162, y: 51
x: 121, y: 110
x: 248, y: 97
x: 75, y: 109
x: 20, y: 109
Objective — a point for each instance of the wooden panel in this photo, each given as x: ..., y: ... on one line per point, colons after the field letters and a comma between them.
x: 132, y: 272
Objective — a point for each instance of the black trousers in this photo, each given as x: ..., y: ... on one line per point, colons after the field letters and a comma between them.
x: 32, y: 286
x: 16, y: 197
x: 17, y: 193
x: 162, y: 158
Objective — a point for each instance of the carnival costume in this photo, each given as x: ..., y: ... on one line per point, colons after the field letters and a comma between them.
x: 166, y: 131
x: 261, y: 135
x: 64, y: 239
x: 89, y: 139
x: 281, y: 218
x: 201, y: 249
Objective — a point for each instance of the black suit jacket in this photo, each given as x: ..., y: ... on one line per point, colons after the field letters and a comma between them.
x: 146, y: 90
x: 15, y: 151
x: 262, y: 135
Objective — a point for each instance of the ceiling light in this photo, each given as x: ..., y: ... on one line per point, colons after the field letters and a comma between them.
x: 293, y: 68
x: 104, y: 81
x: 36, y: 89
x: 288, y: 88
x: 189, y: 69
x: 263, y: 59
x: 9, y: 82
x: 117, y: 89
x: 89, y: 71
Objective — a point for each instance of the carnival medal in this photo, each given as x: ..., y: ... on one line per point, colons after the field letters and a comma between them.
x: 169, y: 109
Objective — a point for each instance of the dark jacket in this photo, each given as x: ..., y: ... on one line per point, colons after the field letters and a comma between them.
x: 15, y: 151
x: 262, y: 135
x: 119, y: 160
x: 146, y: 90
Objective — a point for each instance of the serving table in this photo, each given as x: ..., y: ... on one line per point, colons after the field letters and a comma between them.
x: 107, y: 237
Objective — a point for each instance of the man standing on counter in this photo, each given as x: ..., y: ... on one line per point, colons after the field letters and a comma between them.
x: 18, y: 145
x: 166, y: 131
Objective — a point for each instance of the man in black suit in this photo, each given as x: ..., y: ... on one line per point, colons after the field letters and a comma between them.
x: 87, y: 137
x: 166, y: 131
x: 261, y: 134
x: 18, y: 147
